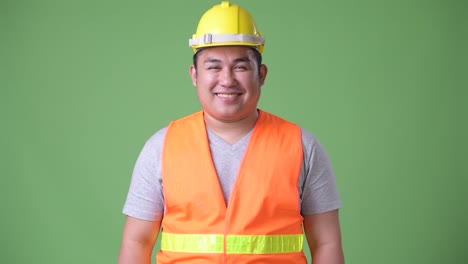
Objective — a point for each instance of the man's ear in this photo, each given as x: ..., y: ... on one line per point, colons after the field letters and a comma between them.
x: 193, y: 74
x: 262, y: 73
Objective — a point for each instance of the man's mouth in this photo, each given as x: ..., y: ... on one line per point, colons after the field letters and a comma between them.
x: 227, y: 95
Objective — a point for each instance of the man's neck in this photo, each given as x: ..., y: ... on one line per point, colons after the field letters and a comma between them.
x: 233, y: 131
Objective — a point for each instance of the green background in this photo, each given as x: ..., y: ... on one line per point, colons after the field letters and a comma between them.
x: 382, y: 84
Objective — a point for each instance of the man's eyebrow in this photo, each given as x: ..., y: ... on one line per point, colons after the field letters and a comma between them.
x: 212, y: 60
x: 242, y: 59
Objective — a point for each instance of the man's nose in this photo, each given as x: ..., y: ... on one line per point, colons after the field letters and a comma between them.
x: 228, y: 78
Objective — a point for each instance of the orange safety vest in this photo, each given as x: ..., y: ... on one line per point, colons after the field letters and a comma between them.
x: 262, y: 222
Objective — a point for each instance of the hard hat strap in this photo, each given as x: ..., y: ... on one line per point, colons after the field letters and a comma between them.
x: 217, y: 38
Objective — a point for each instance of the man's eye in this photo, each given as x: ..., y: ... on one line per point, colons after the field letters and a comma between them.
x: 240, y: 68
x: 214, y: 68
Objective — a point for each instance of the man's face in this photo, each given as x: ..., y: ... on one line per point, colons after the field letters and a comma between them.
x: 228, y: 82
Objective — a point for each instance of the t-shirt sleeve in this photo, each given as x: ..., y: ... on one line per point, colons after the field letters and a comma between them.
x: 145, y: 199
x: 319, y: 190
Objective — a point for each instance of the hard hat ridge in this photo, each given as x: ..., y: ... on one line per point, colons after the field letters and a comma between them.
x: 226, y: 24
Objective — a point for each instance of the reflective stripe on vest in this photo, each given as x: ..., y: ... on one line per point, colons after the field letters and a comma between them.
x: 235, y: 244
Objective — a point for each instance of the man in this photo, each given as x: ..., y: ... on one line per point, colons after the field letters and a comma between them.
x: 231, y: 183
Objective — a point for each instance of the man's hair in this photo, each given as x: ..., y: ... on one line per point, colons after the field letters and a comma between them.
x: 258, y: 57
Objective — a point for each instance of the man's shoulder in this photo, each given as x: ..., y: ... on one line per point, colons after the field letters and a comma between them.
x: 157, y: 139
x: 190, y: 117
x: 307, y: 137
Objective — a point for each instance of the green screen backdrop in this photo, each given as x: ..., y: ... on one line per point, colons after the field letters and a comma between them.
x: 382, y: 84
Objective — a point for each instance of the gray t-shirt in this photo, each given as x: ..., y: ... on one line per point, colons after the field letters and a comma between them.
x: 145, y: 200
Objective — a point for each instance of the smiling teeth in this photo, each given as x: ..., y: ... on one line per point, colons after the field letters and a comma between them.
x: 227, y: 95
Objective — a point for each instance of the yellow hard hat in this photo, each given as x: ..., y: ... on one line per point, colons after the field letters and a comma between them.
x: 226, y: 25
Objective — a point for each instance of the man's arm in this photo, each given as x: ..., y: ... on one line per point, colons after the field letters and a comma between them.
x: 138, y: 241
x: 324, y: 237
